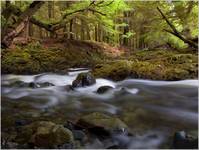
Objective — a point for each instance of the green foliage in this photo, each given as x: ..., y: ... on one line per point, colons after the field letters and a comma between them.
x: 144, y: 22
x: 3, y: 21
x: 128, y: 35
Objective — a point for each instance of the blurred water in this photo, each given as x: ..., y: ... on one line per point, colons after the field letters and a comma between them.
x: 153, y: 106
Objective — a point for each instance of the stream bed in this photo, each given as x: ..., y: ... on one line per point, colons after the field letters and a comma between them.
x: 153, y: 110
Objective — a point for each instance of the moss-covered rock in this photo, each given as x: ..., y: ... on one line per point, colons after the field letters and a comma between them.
x: 45, y: 134
x: 97, y: 119
x: 84, y: 79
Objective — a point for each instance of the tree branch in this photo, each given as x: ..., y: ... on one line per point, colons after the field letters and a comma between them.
x: 176, y: 33
x: 19, y: 25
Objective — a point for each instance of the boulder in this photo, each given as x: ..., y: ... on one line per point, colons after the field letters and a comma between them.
x: 183, y: 141
x: 100, y: 123
x: 104, y: 89
x: 84, y: 79
x: 45, y: 134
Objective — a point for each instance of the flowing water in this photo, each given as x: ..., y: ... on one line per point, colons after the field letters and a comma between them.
x: 153, y: 110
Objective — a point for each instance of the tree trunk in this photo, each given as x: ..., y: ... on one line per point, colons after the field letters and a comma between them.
x: 50, y: 13
x: 82, y: 30
x: 20, y: 24
x: 7, y: 3
x: 126, y: 29
x: 71, y: 29
x: 31, y: 29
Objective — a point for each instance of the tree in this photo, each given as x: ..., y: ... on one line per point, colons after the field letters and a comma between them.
x: 176, y: 33
x: 19, y: 25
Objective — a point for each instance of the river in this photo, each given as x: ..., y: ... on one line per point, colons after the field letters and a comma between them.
x: 148, y: 107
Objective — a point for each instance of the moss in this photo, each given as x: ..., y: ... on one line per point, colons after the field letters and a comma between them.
x: 149, y: 64
x: 35, y: 58
x: 116, y: 70
x: 45, y: 134
x: 183, y: 58
x: 25, y: 60
x: 158, y: 65
x: 102, y: 120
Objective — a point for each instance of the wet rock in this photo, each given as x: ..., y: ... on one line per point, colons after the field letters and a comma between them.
x: 19, y: 84
x: 79, y: 135
x: 110, y: 144
x: 68, y: 88
x: 45, y: 134
x: 33, y: 85
x: 45, y: 84
x: 123, y: 91
x: 104, y: 89
x: 101, y: 124
x: 183, y: 141
x: 84, y: 79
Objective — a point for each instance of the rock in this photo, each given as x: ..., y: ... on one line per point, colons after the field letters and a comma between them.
x: 79, y: 135
x: 19, y: 84
x: 45, y: 84
x: 84, y: 79
x: 33, y: 85
x: 123, y: 91
x: 69, y: 88
x: 104, y: 89
x: 99, y: 123
x: 45, y: 134
x: 110, y: 144
x: 183, y: 141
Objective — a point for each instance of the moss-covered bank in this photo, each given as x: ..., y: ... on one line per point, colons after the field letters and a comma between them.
x: 57, y: 57
x: 156, y: 65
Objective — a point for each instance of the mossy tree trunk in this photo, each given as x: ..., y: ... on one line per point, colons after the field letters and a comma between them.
x: 176, y: 33
x: 20, y: 24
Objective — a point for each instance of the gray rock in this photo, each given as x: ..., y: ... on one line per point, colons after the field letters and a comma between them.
x: 68, y: 88
x: 104, y: 89
x: 45, y: 84
x: 79, y: 135
x: 183, y: 141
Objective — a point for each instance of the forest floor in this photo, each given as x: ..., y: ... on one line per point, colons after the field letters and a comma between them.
x: 50, y: 55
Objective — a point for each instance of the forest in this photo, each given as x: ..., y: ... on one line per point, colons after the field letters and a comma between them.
x: 94, y: 74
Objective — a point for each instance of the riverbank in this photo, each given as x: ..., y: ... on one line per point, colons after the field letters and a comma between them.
x: 106, y: 62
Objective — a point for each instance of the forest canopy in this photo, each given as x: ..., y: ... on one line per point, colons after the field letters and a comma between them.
x: 134, y: 24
